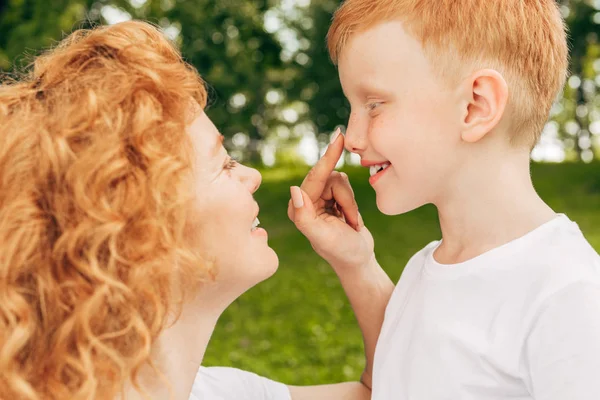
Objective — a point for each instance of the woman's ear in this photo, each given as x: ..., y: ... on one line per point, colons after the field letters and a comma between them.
x: 484, y: 97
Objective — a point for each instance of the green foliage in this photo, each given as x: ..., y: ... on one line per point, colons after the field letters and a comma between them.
x: 298, y: 327
x: 328, y: 106
x: 230, y: 47
x: 26, y: 26
x: 225, y: 40
x: 580, y: 107
x: 243, y: 61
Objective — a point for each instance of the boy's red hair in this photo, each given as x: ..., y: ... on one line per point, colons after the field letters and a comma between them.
x: 524, y: 40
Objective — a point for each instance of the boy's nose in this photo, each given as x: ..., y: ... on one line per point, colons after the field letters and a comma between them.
x: 355, y: 139
x: 250, y: 177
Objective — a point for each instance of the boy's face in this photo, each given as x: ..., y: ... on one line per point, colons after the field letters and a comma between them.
x: 402, y: 115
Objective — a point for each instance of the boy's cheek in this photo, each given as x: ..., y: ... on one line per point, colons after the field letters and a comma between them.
x: 389, y: 131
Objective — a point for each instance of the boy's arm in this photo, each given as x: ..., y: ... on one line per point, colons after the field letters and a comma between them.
x: 368, y: 290
x: 325, y: 211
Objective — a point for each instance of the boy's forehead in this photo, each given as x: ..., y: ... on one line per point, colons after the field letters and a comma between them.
x: 382, y: 43
x: 376, y: 55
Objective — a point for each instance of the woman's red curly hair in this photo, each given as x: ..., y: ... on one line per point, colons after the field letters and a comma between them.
x: 95, y: 162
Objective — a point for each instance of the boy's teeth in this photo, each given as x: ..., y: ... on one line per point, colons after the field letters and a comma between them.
x: 255, y: 223
x: 374, y: 169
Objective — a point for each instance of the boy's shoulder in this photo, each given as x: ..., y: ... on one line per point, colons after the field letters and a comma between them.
x: 564, y: 254
x: 558, y: 259
x: 554, y: 255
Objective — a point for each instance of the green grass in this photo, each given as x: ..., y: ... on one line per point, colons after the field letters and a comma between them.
x: 298, y: 328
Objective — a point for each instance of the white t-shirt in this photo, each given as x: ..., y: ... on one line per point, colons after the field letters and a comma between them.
x: 220, y: 383
x: 519, y: 322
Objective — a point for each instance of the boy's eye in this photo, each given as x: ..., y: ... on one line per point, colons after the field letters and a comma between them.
x: 230, y: 163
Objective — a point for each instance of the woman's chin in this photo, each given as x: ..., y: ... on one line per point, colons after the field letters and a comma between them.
x: 267, y: 260
x: 271, y: 263
x: 260, y: 266
x: 260, y: 233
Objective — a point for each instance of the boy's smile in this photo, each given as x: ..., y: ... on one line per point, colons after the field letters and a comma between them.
x: 376, y: 169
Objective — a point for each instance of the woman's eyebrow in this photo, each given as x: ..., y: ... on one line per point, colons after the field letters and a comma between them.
x: 218, y: 145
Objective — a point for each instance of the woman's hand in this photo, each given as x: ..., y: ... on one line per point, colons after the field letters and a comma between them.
x: 323, y: 208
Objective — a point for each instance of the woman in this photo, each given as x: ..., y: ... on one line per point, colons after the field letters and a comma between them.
x: 119, y: 207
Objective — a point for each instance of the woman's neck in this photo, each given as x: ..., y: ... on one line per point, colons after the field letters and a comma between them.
x: 179, y: 350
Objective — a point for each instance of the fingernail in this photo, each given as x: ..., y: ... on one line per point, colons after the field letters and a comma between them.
x: 297, y: 199
x: 335, y: 135
x: 361, y: 223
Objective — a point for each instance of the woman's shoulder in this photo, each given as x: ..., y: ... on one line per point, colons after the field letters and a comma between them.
x: 224, y: 383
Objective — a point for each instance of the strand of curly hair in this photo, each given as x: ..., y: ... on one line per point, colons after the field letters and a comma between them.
x: 94, y: 167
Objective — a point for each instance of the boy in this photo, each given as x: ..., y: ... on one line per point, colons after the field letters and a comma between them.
x: 448, y: 97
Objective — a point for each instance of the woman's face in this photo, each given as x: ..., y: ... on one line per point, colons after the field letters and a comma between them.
x: 225, y: 212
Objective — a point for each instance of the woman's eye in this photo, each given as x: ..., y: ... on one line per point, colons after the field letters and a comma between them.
x: 230, y: 163
x: 373, y: 106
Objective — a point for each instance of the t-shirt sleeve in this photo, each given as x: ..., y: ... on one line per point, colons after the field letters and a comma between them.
x: 221, y: 383
x: 563, y: 348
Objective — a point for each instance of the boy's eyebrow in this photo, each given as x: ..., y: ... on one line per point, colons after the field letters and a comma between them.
x: 370, y: 89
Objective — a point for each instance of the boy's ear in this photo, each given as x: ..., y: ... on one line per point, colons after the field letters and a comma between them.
x: 484, y: 98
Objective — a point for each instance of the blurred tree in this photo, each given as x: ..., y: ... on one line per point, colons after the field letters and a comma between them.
x: 327, y: 103
x: 227, y: 42
x: 314, y: 86
x: 224, y: 39
x: 579, y: 107
x: 28, y: 25
x: 268, y: 66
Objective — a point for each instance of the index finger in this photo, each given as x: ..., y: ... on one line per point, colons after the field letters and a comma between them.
x: 317, y: 177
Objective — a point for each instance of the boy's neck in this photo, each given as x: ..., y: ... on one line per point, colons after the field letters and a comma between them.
x: 490, y: 203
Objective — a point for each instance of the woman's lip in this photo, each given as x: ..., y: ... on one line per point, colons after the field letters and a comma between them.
x: 259, y: 232
x: 373, y: 180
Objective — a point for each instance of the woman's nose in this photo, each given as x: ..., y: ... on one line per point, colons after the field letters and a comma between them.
x: 251, y: 178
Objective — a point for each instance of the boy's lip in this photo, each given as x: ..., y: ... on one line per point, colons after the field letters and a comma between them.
x: 375, y: 178
x: 366, y: 163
